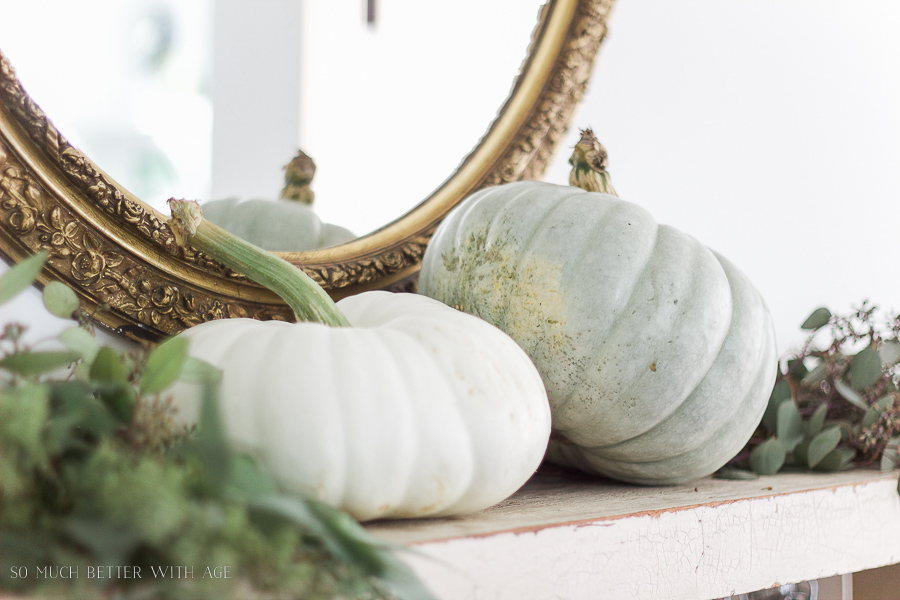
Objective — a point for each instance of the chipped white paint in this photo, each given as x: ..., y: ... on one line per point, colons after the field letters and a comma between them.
x: 582, y: 539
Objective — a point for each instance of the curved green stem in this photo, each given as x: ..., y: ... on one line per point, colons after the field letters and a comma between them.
x: 307, y: 299
x: 588, y: 162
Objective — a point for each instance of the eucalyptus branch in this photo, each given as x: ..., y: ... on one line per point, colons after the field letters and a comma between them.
x: 836, y: 401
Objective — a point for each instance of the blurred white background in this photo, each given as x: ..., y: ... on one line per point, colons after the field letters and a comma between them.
x: 767, y: 129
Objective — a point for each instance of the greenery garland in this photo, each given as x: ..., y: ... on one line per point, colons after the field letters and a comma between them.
x: 102, y: 495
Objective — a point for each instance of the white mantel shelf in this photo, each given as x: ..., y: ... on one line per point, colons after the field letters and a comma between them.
x: 564, y: 536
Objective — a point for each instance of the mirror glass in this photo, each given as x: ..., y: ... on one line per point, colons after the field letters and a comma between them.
x: 211, y: 98
x: 128, y: 83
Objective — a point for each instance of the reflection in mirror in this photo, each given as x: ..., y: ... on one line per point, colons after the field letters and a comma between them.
x: 288, y: 224
x: 210, y: 98
x: 389, y: 111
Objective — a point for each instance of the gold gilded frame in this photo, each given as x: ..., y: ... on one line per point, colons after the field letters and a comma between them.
x: 119, y: 254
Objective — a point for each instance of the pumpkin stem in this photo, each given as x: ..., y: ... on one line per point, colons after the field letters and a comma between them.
x: 307, y: 299
x: 589, y: 165
x: 298, y: 175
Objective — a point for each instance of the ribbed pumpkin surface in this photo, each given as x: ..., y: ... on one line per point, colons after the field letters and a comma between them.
x: 280, y: 225
x: 658, y: 355
x: 416, y: 410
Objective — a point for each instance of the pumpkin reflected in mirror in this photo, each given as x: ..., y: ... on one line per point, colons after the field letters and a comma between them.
x: 289, y: 224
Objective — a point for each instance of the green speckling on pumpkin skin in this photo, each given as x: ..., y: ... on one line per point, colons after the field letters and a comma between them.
x: 516, y: 292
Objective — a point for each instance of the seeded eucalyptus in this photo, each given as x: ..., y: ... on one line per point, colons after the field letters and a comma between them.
x: 836, y: 402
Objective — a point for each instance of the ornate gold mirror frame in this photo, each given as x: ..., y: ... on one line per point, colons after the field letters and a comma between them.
x: 121, y: 258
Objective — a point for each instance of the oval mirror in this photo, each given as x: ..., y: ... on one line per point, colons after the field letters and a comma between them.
x: 118, y: 251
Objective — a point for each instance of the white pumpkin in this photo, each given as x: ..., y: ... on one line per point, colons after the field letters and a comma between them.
x: 415, y: 410
x: 658, y: 355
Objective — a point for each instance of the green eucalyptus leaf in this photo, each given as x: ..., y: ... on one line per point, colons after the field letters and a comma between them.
x: 29, y: 364
x: 818, y: 318
x: 845, y: 427
x: 817, y: 375
x: 789, y: 425
x: 836, y: 460
x: 889, y: 458
x: 402, y: 583
x: 164, y: 365
x: 870, y: 417
x: 108, y: 367
x: 890, y: 352
x: 801, y: 452
x: 822, y: 444
x: 199, y: 371
x: 82, y: 372
x: 286, y: 509
x: 248, y: 480
x: 64, y: 395
x: 210, y: 447
x: 885, y: 402
x: 344, y: 539
x: 95, y: 419
x: 817, y: 420
x: 60, y: 300
x: 23, y: 412
x: 21, y: 275
x: 768, y: 457
x: 80, y: 340
x: 865, y: 368
x: 735, y: 474
x: 849, y: 394
x: 847, y: 456
x: 780, y: 392
x: 118, y: 397
x: 348, y: 541
x: 76, y: 407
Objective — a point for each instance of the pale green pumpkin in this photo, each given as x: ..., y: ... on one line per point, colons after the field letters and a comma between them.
x: 287, y: 225
x: 283, y: 225
x: 658, y: 355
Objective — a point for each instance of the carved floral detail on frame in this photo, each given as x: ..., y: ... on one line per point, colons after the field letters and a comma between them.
x: 95, y: 267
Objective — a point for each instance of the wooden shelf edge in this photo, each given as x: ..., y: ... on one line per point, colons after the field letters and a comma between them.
x: 578, y: 538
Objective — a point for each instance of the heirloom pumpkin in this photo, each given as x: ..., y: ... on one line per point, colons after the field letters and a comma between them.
x: 286, y: 225
x: 399, y: 407
x: 658, y: 355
